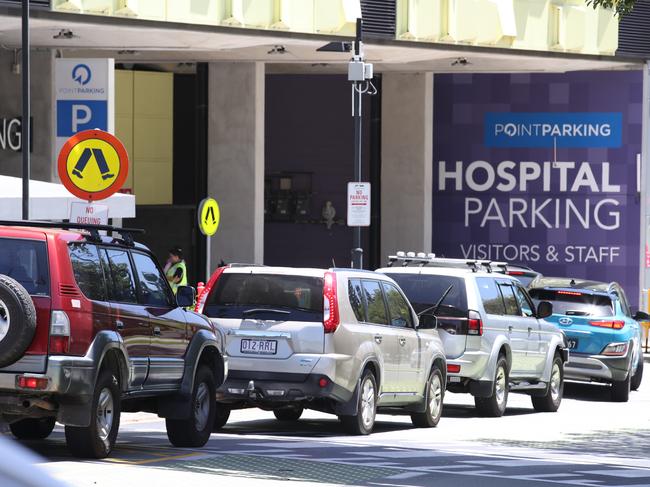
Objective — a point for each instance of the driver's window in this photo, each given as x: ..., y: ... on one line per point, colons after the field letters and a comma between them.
x: 154, y: 290
x: 525, y: 304
x: 400, y: 312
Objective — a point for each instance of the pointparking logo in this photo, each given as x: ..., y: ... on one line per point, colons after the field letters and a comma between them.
x: 81, y: 74
x: 553, y: 130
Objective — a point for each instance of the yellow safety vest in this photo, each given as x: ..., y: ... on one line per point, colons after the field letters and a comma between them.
x: 170, y: 274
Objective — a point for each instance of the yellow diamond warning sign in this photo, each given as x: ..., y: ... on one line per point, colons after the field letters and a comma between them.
x: 209, y: 216
x: 93, y: 165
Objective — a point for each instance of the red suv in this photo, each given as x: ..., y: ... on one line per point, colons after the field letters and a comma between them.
x: 89, y: 327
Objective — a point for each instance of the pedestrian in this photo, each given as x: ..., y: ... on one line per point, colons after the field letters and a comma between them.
x: 176, y: 269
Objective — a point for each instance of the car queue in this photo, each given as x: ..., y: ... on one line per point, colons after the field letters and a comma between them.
x: 90, y: 328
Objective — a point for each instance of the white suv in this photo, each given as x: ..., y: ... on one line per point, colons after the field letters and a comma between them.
x: 494, y: 337
x: 341, y: 341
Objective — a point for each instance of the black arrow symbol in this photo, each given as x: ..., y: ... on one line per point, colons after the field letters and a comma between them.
x: 210, y: 213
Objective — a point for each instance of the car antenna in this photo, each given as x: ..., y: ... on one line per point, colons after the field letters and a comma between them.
x: 572, y: 283
x: 333, y: 263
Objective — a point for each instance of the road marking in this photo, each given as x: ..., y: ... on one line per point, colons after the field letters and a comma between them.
x: 193, y: 456
x: 624, y: 473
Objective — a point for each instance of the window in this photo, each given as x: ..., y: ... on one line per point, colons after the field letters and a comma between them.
x: 526, y: 306
x: 356, y: 299
x: 490, y: 295
x: 26, y: 262
x: 400, y: 312
x: 425, y: 290
x: 510, y: 300
x: 123, y: 284
x: 88, y: 270
x: 575, y: 303
x: 375, y: 301
x: 153, y: 289
x: 301, y: 297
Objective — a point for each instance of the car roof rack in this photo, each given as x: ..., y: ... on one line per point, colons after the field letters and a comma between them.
x: 93, y: 230
x: 429, y: 259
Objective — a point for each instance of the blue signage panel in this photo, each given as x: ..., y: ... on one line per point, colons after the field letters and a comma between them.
x: 544, y: 129
x: 74, y: 116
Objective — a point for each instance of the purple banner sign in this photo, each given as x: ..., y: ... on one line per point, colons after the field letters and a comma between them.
x: 565, y: 207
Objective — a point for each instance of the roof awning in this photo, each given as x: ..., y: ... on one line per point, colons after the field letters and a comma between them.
x: 51, y: 201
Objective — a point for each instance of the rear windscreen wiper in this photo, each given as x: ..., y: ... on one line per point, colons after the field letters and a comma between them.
x: 437, y: 305
x: 254, y: 311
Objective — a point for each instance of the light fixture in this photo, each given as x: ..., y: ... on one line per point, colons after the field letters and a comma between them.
x: 278, y: 49
x: 337, y: 46
x: 462, y: 61
x: 64, y: 34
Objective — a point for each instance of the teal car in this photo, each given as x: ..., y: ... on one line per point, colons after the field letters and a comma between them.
x: 603, y: 336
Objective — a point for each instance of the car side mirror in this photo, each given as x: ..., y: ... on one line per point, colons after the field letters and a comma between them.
x: 185, y: 296
x: 544, y: 310
x: 641, y: 316
x: 428, y: 322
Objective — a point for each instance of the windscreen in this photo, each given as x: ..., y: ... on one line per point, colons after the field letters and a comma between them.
x: 266, y: 297
x: 425, y: 290
x: 574, y: 303
x: 26, y: 262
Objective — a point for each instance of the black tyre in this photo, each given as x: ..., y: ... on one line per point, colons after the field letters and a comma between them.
x: 288, y: 414
x: 32, y: 428
x: 621, y: 389
x: 363, y: 422
x: 434, y: 397
x: 638, y: 375
x: 194, y: 431
x: 221, y: 415
x: 98, y: 438
x: 17, y: 320
x: 550, y: 402
x: 495, y: 405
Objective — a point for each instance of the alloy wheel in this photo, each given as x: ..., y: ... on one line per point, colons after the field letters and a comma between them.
x: 5, y: 320
x: 556, y: 377
x: 202, y: 406
x: 435, y: 396
x: 105, y: 413
x: 500, y: 386
x: 368, y: 403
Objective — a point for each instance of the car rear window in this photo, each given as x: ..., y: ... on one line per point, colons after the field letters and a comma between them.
x: 26, y: 262
x: 425, y: 290
x: 300, y: 297
x: 574, y: 303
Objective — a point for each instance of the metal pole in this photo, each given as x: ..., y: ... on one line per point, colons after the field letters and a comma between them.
x: 25, y: 124
x: 208, y: 269
x: 357, y: 251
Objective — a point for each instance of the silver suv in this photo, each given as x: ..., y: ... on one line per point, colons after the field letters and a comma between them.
x: 340, y: 341
x: 494, y: 337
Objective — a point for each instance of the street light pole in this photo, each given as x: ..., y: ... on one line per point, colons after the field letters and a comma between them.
x: 25, y: 124
x: 357, y: 251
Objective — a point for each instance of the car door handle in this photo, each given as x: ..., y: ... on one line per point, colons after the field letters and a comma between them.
x: 119, y: 324
x: 402, y: 341
x: 530, y: 330
x: 156, y: 331
x: 378, y: 338
x: 509, y: 328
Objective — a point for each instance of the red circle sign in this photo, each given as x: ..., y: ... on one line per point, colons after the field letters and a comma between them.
x: 93, y: 165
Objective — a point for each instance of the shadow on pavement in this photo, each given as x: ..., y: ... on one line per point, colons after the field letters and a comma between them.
x: 587, y: 392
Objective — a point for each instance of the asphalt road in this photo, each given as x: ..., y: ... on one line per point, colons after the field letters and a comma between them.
x: 589, y: 442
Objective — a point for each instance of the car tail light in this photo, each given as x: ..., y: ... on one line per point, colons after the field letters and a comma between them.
x: 330, y: 303
x: 614, y: 325
x: 474, y: 324
x: 453, y: 368
x: 615, y: 349
x: 59, y: 332
x: 37, y: 383
x: 203, y: 295
x: 323, y: 382
x: 516, y: 273
x: 570, y: 293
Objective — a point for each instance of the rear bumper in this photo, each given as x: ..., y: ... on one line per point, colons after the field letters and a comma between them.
x: 473, y: 366
x: 70, y: 380
x: 597, y: 368
x: 274, y: 389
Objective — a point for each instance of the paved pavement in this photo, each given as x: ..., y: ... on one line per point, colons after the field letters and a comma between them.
x: 589, y: 442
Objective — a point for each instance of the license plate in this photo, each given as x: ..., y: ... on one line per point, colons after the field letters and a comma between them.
x: 259, y: 347
x: 572, y: 343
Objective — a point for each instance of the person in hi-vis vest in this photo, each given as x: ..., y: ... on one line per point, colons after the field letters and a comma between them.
x: 175, y: 269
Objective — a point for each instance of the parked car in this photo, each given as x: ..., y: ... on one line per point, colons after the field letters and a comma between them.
x: 89, y: 327
x: 496, y: 341
x: 341, y: 341
x: 603, y: 335
x: 524, y: 274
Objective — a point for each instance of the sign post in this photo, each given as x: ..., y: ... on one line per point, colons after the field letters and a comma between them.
x: 209, y: 217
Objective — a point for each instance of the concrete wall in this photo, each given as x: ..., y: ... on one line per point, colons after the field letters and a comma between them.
x: 43, y: 166
x: 406, y: 170
x: 236, y: 160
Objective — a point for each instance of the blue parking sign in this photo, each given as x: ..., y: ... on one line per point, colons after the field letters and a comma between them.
x: 74, y: 116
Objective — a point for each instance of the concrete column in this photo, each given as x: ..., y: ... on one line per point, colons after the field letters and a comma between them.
x: 236, y: 160
x: 406, y: 162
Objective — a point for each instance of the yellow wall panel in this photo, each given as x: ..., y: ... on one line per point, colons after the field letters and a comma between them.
x: 197, y: 11
x: 153, y: 138
x: 154, y: 185
x: 124, y: 116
